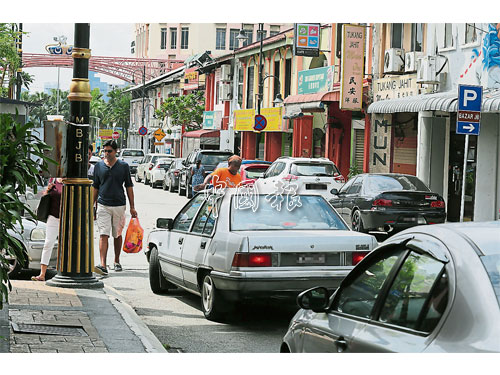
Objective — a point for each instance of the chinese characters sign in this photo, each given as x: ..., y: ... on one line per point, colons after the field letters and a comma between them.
x: 306, y: 40
x: 211, y: 119
x: 316, y: 80
x: 351, y: 84
x: 395, y: 87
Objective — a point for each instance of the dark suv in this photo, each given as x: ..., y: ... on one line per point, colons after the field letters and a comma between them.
x: 209, y: 160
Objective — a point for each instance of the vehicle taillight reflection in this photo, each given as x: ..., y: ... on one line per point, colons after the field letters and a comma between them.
x: 382, y: 202
x: 358, y: 256
x: 252, y: 260
x: 437, y: 204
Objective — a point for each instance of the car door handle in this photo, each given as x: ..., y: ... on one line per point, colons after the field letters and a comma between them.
x: 181, y: 240
x: 203, y: 244
x: 341, y: 344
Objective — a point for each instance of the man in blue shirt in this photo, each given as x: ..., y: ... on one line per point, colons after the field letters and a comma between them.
x: 110, y: 175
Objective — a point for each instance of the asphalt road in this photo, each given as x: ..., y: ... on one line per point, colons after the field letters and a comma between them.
x: 176, y: 319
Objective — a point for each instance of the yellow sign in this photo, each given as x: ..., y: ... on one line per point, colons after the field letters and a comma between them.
x: 159, y: 134
x: 244, y: 119
x: 107, y: 133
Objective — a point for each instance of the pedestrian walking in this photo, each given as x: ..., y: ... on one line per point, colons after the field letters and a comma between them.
x: 90, y: 173
x: 225, y: 177
x: 197, y: 175
x: 110, y: 176
x: 54, y: 190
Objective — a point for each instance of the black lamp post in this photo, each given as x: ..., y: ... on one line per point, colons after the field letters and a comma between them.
x: 142, y: 94
x: 75, y: 260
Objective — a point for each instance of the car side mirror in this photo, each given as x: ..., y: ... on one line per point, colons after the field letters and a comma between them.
x: 316, y: 299
x: 165, y: 223
x: 334, y: 191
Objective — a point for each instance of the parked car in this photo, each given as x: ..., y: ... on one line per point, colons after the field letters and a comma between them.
x: 209, y: 160
x: 388, y: 202
x: 32, y: 238
x: 250, y: 169
x: 274, y: 251
x: 156, y: 175
x: 133, y: 157
x: 427, y: 289
x: 171, y: 179
x: 311, y: 175
x: 146, y: 164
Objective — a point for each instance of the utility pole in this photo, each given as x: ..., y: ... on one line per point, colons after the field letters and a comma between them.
x: 20, y: 52
x: 75, y: 260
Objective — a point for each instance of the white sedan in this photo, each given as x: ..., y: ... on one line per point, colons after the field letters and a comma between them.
x: 156, y: 174
x: 240, y: 244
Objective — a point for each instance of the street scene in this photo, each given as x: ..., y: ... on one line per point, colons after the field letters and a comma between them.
x: 250, y: 188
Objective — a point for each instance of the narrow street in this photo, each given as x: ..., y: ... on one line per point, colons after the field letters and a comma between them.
x: 176, y: 319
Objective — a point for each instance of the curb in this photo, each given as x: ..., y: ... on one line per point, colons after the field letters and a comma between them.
x: 148, y: 339
x: 4, y: 329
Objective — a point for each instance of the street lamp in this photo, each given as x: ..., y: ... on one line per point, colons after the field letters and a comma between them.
x: 142, y: 93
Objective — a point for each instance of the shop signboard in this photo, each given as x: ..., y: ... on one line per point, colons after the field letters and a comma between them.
x: 107, y: 133
x: 306, y: 39
x: 316, y: 80
x: 191, y: 79
x: 395, y: 87
x: 353, y: 57
x: 244, y: 119
x: 211, y: 119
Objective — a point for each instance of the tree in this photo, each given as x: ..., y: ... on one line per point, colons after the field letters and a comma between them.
x: 184, y: 110
x: 17, y: 173
x: 48, y: 104
x: 10, y: 61
x: 118, y: 109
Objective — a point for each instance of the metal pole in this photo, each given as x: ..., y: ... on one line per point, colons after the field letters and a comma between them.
x: 464, y: 175
x: 75, y: 259
x: 57, y: 91
x: 261, y: 84
x: 20, y: 51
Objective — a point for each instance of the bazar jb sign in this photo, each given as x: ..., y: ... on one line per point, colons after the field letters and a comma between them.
x: 306, y: 39
x: 353, y: 57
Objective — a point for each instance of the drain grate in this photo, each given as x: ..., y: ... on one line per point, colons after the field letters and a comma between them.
x: 47, y: 329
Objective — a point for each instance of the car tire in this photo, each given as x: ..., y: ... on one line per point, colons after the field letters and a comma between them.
x: 189, y: 192
x: 164, y: 185
x: 157, y: 281
x: 181, y: 192
x: 146, y: 181
x: 14, y: 265
x: 137, y: 179
x: 212, y: 301
x: 171, y: 186
x: 357, y: 222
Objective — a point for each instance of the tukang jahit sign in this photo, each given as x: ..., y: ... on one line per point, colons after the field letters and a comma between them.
x: 353, y: 57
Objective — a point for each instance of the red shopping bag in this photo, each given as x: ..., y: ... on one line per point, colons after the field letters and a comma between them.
x: 133, y: 238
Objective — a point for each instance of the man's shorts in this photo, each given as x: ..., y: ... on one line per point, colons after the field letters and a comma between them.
x: 110, y: 219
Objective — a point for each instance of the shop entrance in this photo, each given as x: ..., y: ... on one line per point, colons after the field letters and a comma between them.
x: 455, y: 175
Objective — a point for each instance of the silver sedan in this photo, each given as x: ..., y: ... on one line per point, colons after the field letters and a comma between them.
x: 427, y: 289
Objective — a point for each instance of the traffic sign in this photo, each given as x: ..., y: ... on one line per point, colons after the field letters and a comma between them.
x: 115, y: 135
x: 469, y: 109
x: 260, y: 123
x: 159, y: 134
x: 143, y: 130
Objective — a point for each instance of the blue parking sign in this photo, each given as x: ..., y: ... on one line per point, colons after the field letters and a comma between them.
x: 469, y: 109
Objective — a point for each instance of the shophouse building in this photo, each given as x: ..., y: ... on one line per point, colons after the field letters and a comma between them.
x: 417, y: 69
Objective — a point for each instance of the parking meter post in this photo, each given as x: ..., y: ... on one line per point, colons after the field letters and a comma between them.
x: 75, y: 258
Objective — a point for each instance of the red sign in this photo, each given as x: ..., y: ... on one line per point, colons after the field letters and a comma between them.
x: 115, y: 135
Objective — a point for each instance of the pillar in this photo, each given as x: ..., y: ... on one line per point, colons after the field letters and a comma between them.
x: 303, y: 136
x: 248, y: 143
x: 272, y: 146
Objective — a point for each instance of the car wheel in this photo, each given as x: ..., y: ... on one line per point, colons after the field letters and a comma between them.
x: 137, y: 179
x: 211, y: 299
x: 189, y: 192
x: 164, y: 185
x: 171, y: 186
x: 157, y: 281
x: 357, y: 222
x: 181, y: 191
x: 13, y: 265
x: 146, y: 181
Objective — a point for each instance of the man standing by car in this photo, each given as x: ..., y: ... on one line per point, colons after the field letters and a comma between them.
x: 225, y: 177
x: 110, y: 175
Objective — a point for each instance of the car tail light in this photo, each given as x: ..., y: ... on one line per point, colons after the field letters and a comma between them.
x: 290, y: 177
x: 151, y: 166
x: 358, y: 257
x: 382, y: 202
x: 176, y: 173
x: 158, y: 166
x: 252, y: 260
x: 338, y: 177
x: 437, y: 204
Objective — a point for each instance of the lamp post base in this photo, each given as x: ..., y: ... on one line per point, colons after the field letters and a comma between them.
x: 75, y: 282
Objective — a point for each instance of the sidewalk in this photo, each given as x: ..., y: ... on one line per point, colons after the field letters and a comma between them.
x: 72, y: 321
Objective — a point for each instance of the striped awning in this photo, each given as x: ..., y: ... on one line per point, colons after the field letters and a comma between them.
x: 443, y: 101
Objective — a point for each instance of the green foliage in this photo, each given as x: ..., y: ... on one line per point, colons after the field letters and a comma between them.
x: 184, y: 110
x: 48, y: 104
x: 354, y: 170
x: 17, y: 172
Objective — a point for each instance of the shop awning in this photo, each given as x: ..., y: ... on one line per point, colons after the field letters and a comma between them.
x: 295, y: 105
x: 443, y: 101
x: 202, y: 133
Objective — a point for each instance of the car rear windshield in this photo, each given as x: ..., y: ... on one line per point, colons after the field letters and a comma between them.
x: 279, y: 212
x: 165, y: 164
x: 492, y: 265
x: 255, y: 172
x: 132, y: 153
x: 214, y: 159
x: 378, y: 184
x: 310, y: 169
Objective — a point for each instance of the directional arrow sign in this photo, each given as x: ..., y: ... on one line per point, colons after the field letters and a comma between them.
x: 467, y: 128
x: 469, y: 109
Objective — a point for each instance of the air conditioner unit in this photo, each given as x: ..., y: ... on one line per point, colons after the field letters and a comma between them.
x: 225, y: 92
x: 394, y: 61
x: 225, y: 73
x: 411, y: 61
x: 426, y: 72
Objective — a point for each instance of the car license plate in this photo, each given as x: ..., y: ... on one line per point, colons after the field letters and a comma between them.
x: 409, y: 219
x: 134, y: 161
x: 311, y: 259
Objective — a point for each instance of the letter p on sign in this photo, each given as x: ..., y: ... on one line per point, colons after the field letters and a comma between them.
x: 470, y: 98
